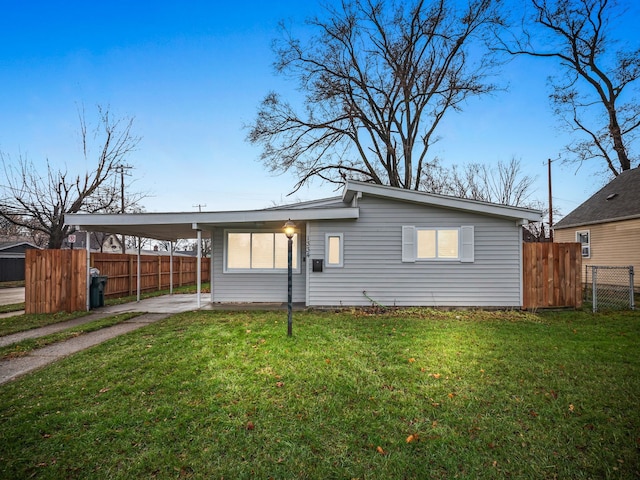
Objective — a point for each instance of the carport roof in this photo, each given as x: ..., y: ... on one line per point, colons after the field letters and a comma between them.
x: 172, y: 226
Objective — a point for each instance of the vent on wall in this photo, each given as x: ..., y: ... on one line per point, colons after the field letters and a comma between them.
x: 612, y: 196
x: 586, y: 251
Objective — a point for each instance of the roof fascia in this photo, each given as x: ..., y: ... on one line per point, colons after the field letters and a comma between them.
x: 171, y: 226
x: 212, y: 218
x: 505, y: 211
x: 598, y: 222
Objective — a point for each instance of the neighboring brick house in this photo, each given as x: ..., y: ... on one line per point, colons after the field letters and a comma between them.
x: 608, y: 224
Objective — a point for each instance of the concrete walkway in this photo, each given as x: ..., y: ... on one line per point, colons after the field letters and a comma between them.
x: 152, y: 310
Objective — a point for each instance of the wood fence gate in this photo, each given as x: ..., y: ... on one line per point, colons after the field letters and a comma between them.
x: 55, y: 281
x: 552, y: 275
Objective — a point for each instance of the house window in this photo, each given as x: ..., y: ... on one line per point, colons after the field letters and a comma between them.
x: 583, y: 237
x: 419, y: 243
x: 259, y: 251
x: 437, y: 243
x: 334, y: 249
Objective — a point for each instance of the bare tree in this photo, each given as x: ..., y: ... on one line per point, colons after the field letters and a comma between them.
x: 503, y: 183
x: 594, y: 93
x: 38, y: 201
x: 378, y: 77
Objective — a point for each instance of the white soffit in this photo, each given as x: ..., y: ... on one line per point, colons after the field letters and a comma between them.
x: 171, y: 226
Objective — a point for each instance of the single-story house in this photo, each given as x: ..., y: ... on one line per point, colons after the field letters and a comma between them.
x: 607, y: 224
x: 372, y: 244
x: 12, y: 255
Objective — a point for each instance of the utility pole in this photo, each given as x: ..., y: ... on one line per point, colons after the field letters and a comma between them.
x: 122, y: 170
x: 550, y: 203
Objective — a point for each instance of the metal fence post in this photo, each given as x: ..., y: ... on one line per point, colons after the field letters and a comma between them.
x: 632, y: 301
x: 594, y: 288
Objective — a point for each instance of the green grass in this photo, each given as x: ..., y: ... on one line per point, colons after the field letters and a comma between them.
x: 24, y: 322
x: 20, y: 323
x: 23, y: 347
x: 13, y: 307
x: 229, y: 395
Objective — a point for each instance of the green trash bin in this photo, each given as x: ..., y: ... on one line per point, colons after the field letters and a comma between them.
x: 96, y: 291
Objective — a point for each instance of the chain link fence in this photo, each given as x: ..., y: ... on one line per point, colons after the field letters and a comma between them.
x: 609, y: 288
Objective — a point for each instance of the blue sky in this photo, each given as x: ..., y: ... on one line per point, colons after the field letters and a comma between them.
x: 192, y: 74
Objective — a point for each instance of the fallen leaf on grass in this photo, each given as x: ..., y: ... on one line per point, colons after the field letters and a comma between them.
x: 435, y: 375
x: 104, y: 390
x: 380, y: 450
x: 412, y: 438
x: 280, y: 384
x: 250, y: 425
x: 411, y: 360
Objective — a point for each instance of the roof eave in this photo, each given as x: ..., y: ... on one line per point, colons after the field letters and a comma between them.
x: 596, y: 222
x: 443, y: 201
x: 172, y: 226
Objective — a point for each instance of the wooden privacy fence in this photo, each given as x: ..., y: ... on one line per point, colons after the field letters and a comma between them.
x: 155, y: 272
x: 56, y: 280
x: 552, y: 275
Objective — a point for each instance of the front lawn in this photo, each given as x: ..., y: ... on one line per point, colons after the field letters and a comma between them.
x: 417, y: 394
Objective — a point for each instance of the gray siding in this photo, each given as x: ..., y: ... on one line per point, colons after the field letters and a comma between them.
x: 373, y: 260
x: 252, y: 287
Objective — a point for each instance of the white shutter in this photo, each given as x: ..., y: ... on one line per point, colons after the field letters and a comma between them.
x: 408, y: 243
x: 467, y: 244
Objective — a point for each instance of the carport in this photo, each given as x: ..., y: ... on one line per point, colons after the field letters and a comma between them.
x: 189, y: 225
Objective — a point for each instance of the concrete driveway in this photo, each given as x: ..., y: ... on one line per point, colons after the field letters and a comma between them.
x: 9, y: 296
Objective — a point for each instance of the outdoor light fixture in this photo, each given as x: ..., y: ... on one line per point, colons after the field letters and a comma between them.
x: 289, y: 231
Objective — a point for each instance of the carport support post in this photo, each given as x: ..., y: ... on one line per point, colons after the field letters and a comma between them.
x: 88, y: 248
x: 199, y: 266
x: 139, y: 269
x: 171, y: 267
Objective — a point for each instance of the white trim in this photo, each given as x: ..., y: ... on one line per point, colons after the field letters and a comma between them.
x: 226, y: 269
x: 353, y: 187
x: 520, y: 266
x: 585, y: 247
x: 340, y: 263
x: 437, y: 257
x: 88, y: 249
x: 199, y: 268
x: 466, y: 244
x: 172, y: 226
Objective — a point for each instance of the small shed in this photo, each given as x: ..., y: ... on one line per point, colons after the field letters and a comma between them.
x: 12, y: 256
